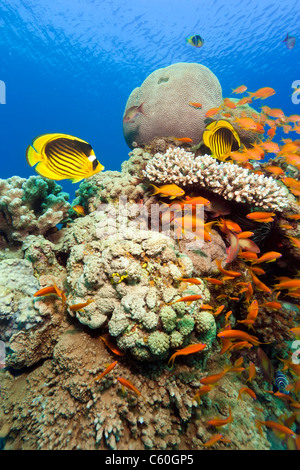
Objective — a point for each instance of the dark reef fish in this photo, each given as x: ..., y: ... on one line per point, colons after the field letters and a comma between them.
x: 289, y: 41
x: 196, y: 40
x: 281, y: 382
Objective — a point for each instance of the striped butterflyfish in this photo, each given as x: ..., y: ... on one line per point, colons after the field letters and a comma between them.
x: 221, y: 138
x: 62, y: 156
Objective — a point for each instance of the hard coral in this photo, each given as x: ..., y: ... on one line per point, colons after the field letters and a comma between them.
x: 31, y: 206
x: 166, y: 94
x: 225, y: 179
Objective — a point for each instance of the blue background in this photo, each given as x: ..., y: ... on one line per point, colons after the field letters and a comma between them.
x: 70, y: 65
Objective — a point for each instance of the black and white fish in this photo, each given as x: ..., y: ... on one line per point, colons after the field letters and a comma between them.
x: 281, y: 382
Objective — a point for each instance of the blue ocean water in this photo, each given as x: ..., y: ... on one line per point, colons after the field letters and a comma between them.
x: 69, y: 66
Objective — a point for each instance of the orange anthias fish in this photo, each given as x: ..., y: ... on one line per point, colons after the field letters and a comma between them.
x: 202, y: 391
x: 260, y: 215
x: 51, y: 290
x: 262, y: 93
x: 191, y: 349
x: 259, y: 284
x: 195, y: 105
x: 212, y: 112
x: 295, y: 241
x: 196, y: 200
x: 188, y: 298
x: 240, y: 89
x: 276, y: 170
x: 107, y: 339
x: 214, y: 378
x: 214, y: 439
x: 252, y: 372
x: 280, y: 428
x: 168, y: 190
x: 238, y: 334
x: 79, y: 209
x: 248, y: 391
x: 129, y: 385
x: 221, y: 422
x: 186, y: 140
x: 268, y: 257
x: 191, y: 280
x: 76, y: 307
x: 227, y: 272
x: 290, y: 284
x: 106, y: 371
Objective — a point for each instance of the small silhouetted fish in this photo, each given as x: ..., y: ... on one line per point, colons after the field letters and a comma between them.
x: 281, y: 382
x: 289, y: 41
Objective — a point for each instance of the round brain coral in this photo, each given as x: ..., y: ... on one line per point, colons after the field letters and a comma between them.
x: 166, y: 94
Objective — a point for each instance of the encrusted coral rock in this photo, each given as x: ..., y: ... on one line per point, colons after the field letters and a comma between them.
x: 225, y: 179
x: 166, y: 94
x: 31, y: 206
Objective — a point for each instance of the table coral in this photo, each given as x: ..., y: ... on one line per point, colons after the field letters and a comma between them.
x: 225, y: 179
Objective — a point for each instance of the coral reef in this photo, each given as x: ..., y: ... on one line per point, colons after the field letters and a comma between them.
x: 32, y: 206
x: 123, y: 305
x: 166, y: 93
x: 225, y: 179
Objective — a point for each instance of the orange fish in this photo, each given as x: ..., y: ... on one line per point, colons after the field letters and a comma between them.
x: 272, y: 305
x: 244, y: 235
x: 214, y: 378
x: 51, y: 290
x: 291, y: 284
x: 221, y: 422
x: 196, y: 200
x: 129, y: 385
x: 206, y: 307
x: 276, y: 113
x: 238, y: 334
x: 212, y: 112
x: 107, y: 339
x: 195, y: 105
x: 219, y: 310
x: 229, y: 104
x: 247, y: 255
x: 191, y: 280
x: 276, y: 170
x: 246, y: 123
x: 191, y: 349
x: 188, y: 298
x: 227, y: 272
x: 218, y: 282
x: 168, y: 190
x: 262, y: 93
x: 295, y: 241
x: 183, y: 139
x: 268, y: 257
x: 260, y: 215
x: 280, y: 428
x: 244, y: 100
x: 293, y: 216
x: 248, y: 391
x: 106, y: 371
x: 295, y: 331
x: 252, y: 372
x: 79, y: 209
x: 270, y: 146
x: 259, y: 284
x: 240, y: 89
x: 214, y: 439
x: 202, y: 391
x: 239, y: 156
x: 271, y: 132
x: 76, y: 307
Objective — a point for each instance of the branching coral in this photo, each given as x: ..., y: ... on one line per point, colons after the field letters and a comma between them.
x: 225, y: 179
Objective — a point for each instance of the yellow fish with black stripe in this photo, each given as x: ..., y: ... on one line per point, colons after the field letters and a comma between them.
x: 62, y: 156
x: 221, y: 138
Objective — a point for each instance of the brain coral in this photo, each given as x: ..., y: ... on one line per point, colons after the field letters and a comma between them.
x: 166, y: 93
